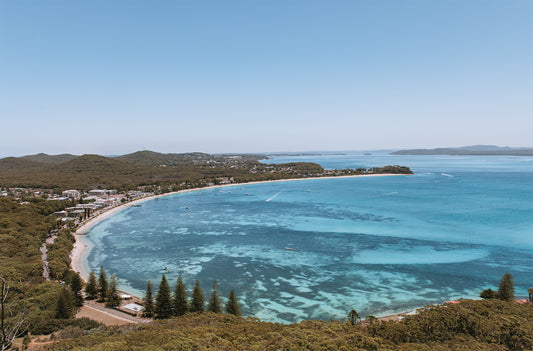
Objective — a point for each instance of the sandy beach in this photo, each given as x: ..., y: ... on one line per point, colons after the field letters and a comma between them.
x: 82, y: 247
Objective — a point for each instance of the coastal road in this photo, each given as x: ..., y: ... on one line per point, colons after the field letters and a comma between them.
x: 44, y: 256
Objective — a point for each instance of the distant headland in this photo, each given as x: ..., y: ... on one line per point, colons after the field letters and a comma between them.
x: 168, y: 172
x: 474, y: 150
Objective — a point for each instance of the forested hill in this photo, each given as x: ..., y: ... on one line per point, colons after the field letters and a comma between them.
x: 151, y: 158
x: 172, y: 171
x: 44, y: 158
x: 475, y: 150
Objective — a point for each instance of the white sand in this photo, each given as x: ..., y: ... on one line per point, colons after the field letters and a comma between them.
x: 82, y: 247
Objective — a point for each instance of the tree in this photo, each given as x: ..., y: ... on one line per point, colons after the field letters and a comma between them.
x: 214, y: 300
x: 113, y: 298
x: 197, y: 298
x: 148, y: 301
x: 488, y: 294
x: 506, y: 288
x: 163, y: 301
x: 353, y: 317
x: 14, y: 327
x: 91, y: 289
x: 232, y: 306
x: 76, y: 285
x: 181, y: 305
x: 102, y: 284
x: 65, y: 304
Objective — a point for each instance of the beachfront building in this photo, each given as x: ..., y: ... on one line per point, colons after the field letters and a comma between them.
x: 71, y: 194
x: 101, y: 193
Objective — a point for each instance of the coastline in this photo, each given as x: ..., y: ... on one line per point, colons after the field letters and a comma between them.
x: 82, y: 247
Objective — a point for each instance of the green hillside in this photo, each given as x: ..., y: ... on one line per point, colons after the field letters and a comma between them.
x: 45, y: 158
x: 170, y: 171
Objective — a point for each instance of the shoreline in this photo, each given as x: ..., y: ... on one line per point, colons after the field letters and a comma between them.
x: 82, y: 248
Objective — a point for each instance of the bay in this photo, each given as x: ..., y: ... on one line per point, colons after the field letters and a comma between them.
x: 315, y: 249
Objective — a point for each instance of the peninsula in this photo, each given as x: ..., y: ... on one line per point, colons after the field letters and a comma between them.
x: 475, y: 150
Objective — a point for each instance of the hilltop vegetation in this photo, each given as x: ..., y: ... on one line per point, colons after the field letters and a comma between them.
x: 44, y: 158
x: 470, y: 325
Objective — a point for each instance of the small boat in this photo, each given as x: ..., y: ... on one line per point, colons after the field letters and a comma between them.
x: 288, y: 248
x: 308, y: 190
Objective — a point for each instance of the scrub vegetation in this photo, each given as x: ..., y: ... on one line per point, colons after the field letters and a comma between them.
x: 469, y: 325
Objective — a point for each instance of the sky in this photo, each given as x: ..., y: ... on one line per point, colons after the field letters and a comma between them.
x: 113, y: 77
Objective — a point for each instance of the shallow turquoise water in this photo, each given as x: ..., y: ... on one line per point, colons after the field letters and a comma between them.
x: 376, y: 244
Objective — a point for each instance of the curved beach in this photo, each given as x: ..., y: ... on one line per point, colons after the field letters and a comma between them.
x: 82, y: 247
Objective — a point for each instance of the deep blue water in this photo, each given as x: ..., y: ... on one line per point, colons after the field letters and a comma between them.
x: 376, y: 244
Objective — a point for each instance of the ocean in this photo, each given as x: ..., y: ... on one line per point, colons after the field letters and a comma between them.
x: 315, y: 249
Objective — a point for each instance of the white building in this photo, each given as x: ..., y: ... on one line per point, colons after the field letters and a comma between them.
x: 132, y: 308
x: 71, y: 194
x: 98, y: 192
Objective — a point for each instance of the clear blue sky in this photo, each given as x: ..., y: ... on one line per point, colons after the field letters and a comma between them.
x: 114, y: 76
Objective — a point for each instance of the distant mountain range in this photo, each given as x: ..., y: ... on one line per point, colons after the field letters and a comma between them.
x: 474, y: 150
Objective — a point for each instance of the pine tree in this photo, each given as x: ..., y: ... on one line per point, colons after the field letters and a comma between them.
x: 197, y: 298
x: 163, y: 301
x: 148, y: 301
x: 214, y: 300
x: 232, y: 306
x: 91, y: 289
x: 102, y: 285
x: 506, y: 288
x: 113, y: 298
x: 76, y: 285
x: 65, y: 304
x: 180, y: 302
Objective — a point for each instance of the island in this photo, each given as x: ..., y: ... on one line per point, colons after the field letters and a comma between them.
x: 475, y: 150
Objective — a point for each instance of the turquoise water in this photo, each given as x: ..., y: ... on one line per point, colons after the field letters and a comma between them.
x: 376, y: 244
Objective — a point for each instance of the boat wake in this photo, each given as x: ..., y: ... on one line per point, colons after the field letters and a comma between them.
x: 387, y: 194
x: 276, y: 194
x: 447, y: 175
